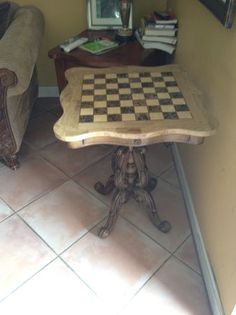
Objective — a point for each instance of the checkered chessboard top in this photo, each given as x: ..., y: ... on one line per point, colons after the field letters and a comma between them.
x: 135, y: 96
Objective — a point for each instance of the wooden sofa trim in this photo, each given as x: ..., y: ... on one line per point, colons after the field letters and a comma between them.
x: 7, y: 143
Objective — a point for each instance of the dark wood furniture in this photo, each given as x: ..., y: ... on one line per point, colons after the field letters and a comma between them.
x: 130, y: 53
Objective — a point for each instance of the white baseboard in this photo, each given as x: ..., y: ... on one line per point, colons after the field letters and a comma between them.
x: 48, y: 91
x: 207, y: 272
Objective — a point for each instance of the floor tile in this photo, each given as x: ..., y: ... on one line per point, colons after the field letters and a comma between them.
x: 187, y: 254
x: 72, y: 161
x: 22, y: 254
x: 170, y: 176
x: 25, y: 151
x: 40, y: 131
x: 57, y: 111
x: 174, y: 290
x: 115, y: 267
x: 158, y: 158
x: 54, y: 290
x: 170, y: 207
x: 5, y: 210
x: 99, y: 171
x: 127, y: 270
x: 64, y: 215
x: 34, y: 178
x: 44, y: 104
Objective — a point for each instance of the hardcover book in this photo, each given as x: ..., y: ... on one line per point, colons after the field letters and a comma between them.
x: 166, y: 17
x: 155, y: 45
x: 151, y: 29
x: 99, y: 46
x: 164, y: 39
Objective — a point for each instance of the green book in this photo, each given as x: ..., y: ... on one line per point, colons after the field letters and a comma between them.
x: 98, y: 46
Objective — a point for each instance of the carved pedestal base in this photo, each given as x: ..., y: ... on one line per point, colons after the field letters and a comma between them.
x: 130, y: 179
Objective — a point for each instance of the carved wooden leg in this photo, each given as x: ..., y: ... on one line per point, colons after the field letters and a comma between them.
x: 145, y: 197
x: 120, y: 197
x: 11, y: 161
x: 107, y: 188
x: 130, y: 178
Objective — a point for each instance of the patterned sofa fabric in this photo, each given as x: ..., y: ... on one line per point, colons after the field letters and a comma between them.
x: 18, y: 80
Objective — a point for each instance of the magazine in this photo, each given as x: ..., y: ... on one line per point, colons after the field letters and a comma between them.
x: 99, y: 46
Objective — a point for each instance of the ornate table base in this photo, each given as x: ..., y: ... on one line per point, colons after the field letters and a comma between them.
x: 130, y: 179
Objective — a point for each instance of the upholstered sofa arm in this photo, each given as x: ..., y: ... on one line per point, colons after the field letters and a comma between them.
x: 19, y: 47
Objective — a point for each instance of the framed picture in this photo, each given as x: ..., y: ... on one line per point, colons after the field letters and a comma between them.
x: 105, y: 14
x: 222, y: 9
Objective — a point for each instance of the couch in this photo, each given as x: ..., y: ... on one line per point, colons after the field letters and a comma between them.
x: 19, y: 48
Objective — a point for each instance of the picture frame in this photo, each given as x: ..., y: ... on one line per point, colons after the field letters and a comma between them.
x: 103, y: 14
x: 223, y: 9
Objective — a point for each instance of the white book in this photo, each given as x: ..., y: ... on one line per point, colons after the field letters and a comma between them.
x: 168, y: 40
x: 154, y: 30
x: 155, y: 45
x: 159, y: 32
x: 173, y: 21
x: 161, y: 26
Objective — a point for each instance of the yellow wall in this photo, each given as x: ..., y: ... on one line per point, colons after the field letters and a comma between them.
x: 208, y: 51
x: 66, y: 18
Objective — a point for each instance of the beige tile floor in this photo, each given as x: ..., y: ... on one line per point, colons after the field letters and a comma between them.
x: 52, y: 261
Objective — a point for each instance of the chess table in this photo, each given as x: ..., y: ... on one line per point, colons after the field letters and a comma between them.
x: 131, y: 107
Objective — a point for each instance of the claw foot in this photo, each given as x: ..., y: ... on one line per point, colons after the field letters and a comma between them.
x: 103, y: 232
x: 164, y: 226
x: 105, y: 189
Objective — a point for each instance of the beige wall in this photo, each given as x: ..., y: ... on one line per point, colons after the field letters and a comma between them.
x: 208, y: 51
x: 66, y: 18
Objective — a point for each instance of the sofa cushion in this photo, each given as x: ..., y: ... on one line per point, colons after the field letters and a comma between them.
x: 4, y: 17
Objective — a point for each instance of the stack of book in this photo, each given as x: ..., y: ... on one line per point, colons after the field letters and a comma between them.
x: 158, y: 31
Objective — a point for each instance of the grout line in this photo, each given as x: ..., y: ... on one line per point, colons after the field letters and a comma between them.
x: 27, y: 280
x: 144, y: 284
x: 38, y: 197
x: 76, y: 274
x: 82, y: 236
x: 143, y: 232
x: 166, y: 181
x: 6, y: 203
x: 187, y: 265
x: 64, y: 250
x: 174, y: 255
x: 57, y: 255
x: 37, y: 149
x: 165, y: 170
x: 93, y: 194
x: 93, y: 227
x: 8, y: 217
x: 187, y: 237
x: 92, y: 164
x: 50, y: 162
x: 69, y: 176
x: 35, y: 232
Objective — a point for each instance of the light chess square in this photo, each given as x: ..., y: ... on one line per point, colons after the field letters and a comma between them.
x: 137, y: 96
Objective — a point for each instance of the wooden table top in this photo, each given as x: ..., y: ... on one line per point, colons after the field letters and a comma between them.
x: 131, y: 106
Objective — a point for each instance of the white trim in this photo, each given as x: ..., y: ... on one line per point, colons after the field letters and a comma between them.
x: 48, y: 91
x: 207, y: 272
